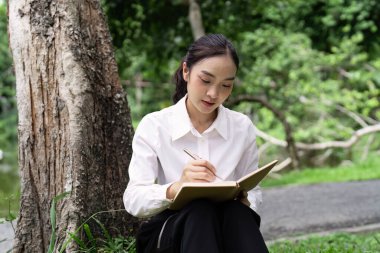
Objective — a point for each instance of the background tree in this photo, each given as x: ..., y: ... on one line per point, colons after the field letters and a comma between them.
x: 74, y: 123
x: 315, y: 61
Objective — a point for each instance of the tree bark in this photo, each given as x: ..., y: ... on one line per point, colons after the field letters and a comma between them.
x: 74, y: 121
x: 195, y: 18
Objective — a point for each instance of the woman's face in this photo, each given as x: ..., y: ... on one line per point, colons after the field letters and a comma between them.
x: 209, y: 83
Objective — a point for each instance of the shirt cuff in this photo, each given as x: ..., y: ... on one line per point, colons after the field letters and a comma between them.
x: 163, y: 190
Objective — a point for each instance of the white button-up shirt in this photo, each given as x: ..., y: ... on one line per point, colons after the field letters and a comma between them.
x: 158, y: 157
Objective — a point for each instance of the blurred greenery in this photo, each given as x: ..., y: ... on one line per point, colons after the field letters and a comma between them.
x: 368, y: 169
x: 315, y: 61
x: 9, y: 187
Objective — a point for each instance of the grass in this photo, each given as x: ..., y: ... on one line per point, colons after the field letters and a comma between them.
x: 9, y: 192
x: 9, y: 205
x: 365, y: 170
x: 335, y: 243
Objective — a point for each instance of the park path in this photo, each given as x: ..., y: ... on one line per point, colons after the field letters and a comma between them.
x: 6, y: 236
x: 298, y: 210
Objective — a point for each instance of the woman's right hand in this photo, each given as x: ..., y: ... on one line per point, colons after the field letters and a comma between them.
x: 194, y: 171
x: 198, y: 171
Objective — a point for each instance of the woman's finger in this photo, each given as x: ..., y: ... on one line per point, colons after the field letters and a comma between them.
x: 191, y: 173
x: 204, y: 163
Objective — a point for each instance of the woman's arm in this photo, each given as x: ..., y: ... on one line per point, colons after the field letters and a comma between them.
x: 143, y: 197
x: 247, y: 164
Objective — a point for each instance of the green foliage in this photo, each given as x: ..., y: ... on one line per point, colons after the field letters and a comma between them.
x: 315, y: 61
x: 150, y: 37
x: 335, y: 243
x: 9, y: 192
x: 108, y: 244
x: 11, y: 216
x: 308, y: 85
x: 368, y: 169
x: 53, y: 220
x: 9, y: 188
x: 119, y: 244
x: 307, y: 58
x: 8, y: 115
x: 91, y: 243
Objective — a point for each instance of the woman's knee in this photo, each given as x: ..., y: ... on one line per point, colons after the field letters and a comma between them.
x: 234, y: 208
x: 202, y: 207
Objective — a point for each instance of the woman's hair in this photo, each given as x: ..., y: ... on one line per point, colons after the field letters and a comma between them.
x: 205, y: 47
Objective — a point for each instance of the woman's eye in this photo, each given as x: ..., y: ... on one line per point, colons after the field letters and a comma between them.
x: 227, y: 85
x: 205, y: 81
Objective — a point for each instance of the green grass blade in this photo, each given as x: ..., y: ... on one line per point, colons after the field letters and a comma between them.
x: 53, y: 220
x: 105, y: 231
x: 89, y: 234
x: 66, y: 243
x: 81, y: 244
x: 131, y: 244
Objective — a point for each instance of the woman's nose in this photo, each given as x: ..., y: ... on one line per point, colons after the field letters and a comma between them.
x: 213, y: 92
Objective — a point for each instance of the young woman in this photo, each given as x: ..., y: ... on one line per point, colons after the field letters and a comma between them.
x: 226, y: 142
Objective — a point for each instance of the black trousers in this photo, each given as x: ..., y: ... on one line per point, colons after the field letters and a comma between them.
x: 203, y: 227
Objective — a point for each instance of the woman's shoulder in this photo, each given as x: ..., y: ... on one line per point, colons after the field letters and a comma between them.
x: 156, y: 118
x: 237, y: 118
x: 160, y: 114
x: 240, y: 125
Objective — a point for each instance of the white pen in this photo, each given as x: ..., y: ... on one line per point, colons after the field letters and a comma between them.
x: 197, y: 157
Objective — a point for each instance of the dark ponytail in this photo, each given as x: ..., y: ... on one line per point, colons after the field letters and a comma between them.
x: 180, y: 83
x: 205, y: 47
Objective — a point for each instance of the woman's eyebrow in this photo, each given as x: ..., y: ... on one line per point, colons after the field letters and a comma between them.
x: 211, y: 75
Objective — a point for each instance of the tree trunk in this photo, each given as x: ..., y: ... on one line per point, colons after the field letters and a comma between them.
x: 74, y: 122
x: 195, y: 18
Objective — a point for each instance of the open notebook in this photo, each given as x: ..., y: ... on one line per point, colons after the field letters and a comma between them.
x: 219, y: 191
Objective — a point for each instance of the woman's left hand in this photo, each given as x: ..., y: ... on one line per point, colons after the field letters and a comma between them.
x: 243, y: 198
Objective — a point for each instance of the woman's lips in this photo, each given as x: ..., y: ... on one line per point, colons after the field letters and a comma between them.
x: 208, y: 104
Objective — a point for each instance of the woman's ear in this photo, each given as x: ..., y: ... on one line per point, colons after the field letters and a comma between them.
x: 185, y: 72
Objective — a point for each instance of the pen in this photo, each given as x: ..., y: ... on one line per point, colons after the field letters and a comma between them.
x: 197, y: 157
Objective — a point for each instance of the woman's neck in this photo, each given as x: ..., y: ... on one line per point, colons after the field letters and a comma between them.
x: 200, y: 121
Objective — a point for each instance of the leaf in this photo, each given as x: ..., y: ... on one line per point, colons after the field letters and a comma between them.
x: 88, y: 232
x: 53, y: 220
x: 105, y: 231
x: 77, y: 240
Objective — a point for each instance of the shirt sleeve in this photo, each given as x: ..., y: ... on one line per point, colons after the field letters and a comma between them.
x: 143, y: 197
x: 249, y: 163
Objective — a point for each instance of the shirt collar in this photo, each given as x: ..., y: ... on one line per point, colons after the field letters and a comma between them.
x: 221, y: 123
x: 182, y: 124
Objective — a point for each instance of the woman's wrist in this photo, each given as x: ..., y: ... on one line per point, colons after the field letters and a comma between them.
x: 172, y: 190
